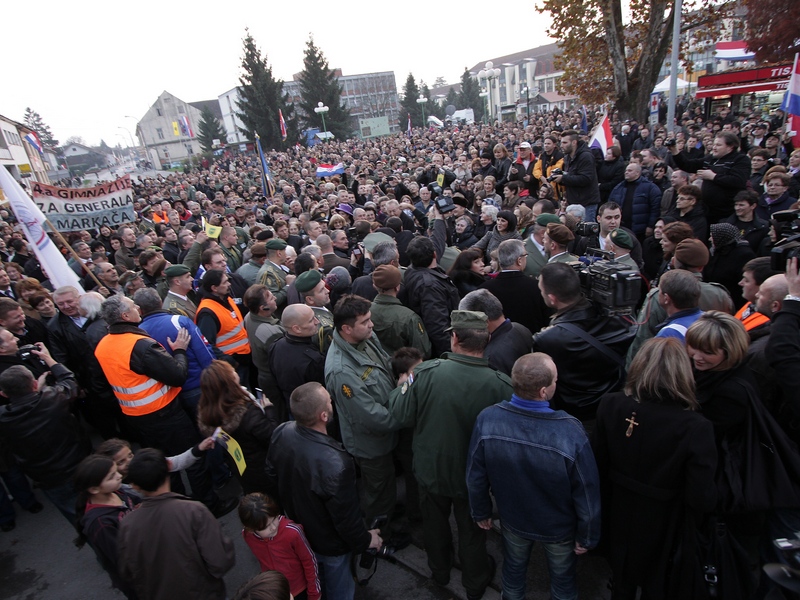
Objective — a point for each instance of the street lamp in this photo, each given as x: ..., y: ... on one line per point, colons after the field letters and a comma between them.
x: 421, y: 101
x: 484, y: 95
x: 321, y: 109
x: 489, y: 74
x: 131, y: 136
x: 140, y: 135
x: 527, y: 93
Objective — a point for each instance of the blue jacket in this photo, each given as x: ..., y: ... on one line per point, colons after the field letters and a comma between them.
x: 161, y: 325
x: 676, y: 325
x: 646, y: 204
x: 541, y: 471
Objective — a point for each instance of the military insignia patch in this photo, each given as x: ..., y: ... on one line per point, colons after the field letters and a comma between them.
x: 347, y: 391
x: 366, y: 373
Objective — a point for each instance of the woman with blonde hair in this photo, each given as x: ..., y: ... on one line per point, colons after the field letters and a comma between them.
x: 226, y: 404
x: 656, y: 457
x: 337, y: 222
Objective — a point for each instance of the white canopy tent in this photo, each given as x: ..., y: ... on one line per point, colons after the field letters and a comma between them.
x: 664, y: 85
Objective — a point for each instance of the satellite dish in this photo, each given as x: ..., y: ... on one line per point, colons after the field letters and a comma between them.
x: 450, y: 110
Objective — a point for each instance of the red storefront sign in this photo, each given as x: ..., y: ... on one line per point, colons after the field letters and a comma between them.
x: 728, y: 83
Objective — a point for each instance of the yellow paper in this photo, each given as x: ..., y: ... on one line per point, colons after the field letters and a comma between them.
x: 233, y: 448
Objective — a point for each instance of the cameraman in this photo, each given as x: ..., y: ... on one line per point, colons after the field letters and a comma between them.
x: 10, y: 355
x: 587, y: 347
x: 609, y: 217
x: 436, y: 171
x: 579, y: 179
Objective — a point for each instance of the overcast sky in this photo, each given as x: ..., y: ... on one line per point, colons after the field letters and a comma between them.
x: 84, y: 65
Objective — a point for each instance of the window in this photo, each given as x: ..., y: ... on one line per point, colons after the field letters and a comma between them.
x: 160, y: 133
x: 158, y: 112
x: 189, y: 149
x: 3, y: 143
x: 181, y: 108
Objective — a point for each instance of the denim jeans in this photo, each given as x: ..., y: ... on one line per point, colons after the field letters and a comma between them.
x: 335, y: 578
x: 19, y: 488
x: 561, y: 560
x: 591, y: 213
x: 63, y: 498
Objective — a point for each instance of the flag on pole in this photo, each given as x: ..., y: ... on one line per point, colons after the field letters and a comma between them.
x: 175, y: 129
x: 33, y: 140
x: 602, y: 138
x: 283, y: 124
x: 32, y: 222
x: 185, y: 127
x: 409, y: 125
x: 791, y: 100
x: 267, y: 185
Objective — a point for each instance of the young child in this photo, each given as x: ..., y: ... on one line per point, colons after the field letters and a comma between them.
x: 121, y: 453
x: 403, y: 362
x: 100, y: 508
x: 279, y: 544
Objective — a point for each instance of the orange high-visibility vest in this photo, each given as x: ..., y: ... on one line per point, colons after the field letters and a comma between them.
x: 137, y: 394
x: 753, y: 320
x: 231, y: 337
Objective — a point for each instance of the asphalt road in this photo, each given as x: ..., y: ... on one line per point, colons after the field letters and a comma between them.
x: 38, y: 561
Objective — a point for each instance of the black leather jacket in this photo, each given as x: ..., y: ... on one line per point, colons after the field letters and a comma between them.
x: 41, y: 432
x: 316, y: 482
x: 584, y: 372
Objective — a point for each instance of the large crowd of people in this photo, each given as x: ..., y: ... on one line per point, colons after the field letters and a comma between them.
x: 433, y: 312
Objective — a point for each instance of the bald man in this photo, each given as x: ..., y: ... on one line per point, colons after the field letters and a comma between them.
x: 295, y: 359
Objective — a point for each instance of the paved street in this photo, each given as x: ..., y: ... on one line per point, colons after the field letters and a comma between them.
x: 39, y: 562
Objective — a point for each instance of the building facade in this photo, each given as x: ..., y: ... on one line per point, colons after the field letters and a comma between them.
x: 528, y: 81
x: 366, y: 96
x: 18, y: 155
x: 168, y: 131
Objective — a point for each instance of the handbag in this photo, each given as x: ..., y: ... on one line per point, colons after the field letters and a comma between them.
x: 762, y: 472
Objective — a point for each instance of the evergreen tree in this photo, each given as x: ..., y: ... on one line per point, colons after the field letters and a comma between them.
x: 261, y: 97
x: 452, y: 99
x: 470, y: 96
x: 319, y: 84
x: 209, y: 129
x: 33, y: 120
x: 408, y: 105
x: 431, y: 106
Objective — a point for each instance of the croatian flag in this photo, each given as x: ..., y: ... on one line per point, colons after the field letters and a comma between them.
x: 791, y: 100
x: 324, y: 170
x: 185, y: 127
x: 33, y: 140
x: 283, y: 124
x: 602, y: 138
x: 267, y: 185
x: 733, y: 51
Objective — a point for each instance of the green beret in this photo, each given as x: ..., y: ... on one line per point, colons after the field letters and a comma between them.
x: 468, y: 319
x: 176, y: 270
x: 276, y: 244
x: 620, y: 237
x: 373, y: 239
x: 307, y: 281
x: 545, y: 219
